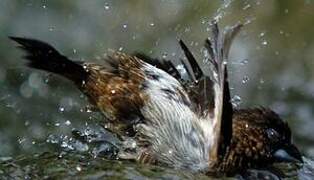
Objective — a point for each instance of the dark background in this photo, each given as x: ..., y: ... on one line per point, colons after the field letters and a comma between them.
x: 271, y: 61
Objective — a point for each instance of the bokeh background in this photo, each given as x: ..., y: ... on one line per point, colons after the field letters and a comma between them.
x: 271, y: 61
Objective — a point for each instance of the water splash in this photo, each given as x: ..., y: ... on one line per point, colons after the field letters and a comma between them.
x: 245, y: 79
x: 222, y: 11
x: 95, y: 141
x: 236, y: 101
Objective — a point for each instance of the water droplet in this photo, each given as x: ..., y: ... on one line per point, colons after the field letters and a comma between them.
x: 164, y: 55
x: 89, y: 110
x: 52, y: 139
x: 78, y: 168
x: 21, y: 140
x: 61, y: 154
x: 170, y: 151
x: 245, y: 79
x: 262, y: 34
x: 51, y: 28
x: 286, y: 11
x: 181, y: 69
x: 152, y: 24
x: 44, y: 6
x: 236, y: 100
x: 124, y: 26
x: 61, y: 109
x: 249, y: 20
x: 65, y: 144
x: 67, y: 123
x: 26, y: 123
x: 264, y: 43
x: 133, y: 145
x: 244, y: 61
x: 47, y: 78
x: 106, y: 6
x: 246, y: 7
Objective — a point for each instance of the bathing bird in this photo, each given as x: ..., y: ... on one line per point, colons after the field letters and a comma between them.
x: 179, y: 115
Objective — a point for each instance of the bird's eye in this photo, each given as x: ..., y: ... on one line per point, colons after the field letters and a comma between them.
x: 272, y: 133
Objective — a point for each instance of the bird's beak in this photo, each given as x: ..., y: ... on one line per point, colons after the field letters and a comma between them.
x: 289, y: 153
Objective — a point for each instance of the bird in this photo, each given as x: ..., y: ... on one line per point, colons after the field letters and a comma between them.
x: 180, y: 119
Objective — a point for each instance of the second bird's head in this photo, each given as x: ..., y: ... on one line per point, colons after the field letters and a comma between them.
x: 260, y: 137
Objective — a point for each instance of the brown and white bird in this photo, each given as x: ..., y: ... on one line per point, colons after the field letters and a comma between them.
x: 177, y: 122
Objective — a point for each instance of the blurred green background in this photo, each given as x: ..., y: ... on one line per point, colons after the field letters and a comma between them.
x: 271, y: 61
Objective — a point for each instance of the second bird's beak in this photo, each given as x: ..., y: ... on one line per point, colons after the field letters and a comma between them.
x: 288, y: 153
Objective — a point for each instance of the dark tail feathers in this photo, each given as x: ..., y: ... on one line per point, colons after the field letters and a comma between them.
x: 42, y: 56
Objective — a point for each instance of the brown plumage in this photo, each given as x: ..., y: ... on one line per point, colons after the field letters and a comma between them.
x: 183, y: 123
x: 117, y: 93
x: 257, y: 134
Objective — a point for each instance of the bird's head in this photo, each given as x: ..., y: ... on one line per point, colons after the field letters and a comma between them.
x: 260, y: 137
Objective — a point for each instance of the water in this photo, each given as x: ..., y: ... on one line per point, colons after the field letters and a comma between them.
x: 66, y: 165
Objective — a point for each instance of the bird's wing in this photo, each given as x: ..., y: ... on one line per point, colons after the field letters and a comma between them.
x: 218, y: 48
x: 209, y: 92
x: 124, y: 87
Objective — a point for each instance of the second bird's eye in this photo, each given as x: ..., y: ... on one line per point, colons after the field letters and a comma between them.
x: 272, y: 134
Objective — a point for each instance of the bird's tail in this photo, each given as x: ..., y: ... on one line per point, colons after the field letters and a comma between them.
x: 43, y: 56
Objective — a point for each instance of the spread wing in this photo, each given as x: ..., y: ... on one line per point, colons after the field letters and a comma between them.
x: 218, y: 48
x: 210, y: 92
x: 130, y: 92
